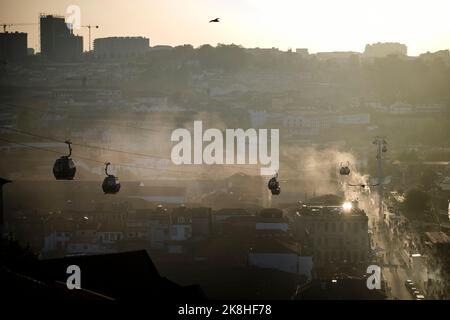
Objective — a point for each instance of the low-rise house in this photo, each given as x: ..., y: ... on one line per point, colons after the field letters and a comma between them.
x: 110, y: 233
x: 83, y: 245
x: 85, y: 239
x: 336, y: 236
x: 280, y: 254
x: 201, y: 223
x: 181, y: 224
x: 59, y: 234
x: 271, y: 219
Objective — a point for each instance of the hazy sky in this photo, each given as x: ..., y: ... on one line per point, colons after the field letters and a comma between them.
x: 319, y: 25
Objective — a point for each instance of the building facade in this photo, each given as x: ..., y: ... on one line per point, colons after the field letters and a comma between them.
x: 121, y: 47
x: 58, y: 43
x: 13, y: 46
x: 334, y: 235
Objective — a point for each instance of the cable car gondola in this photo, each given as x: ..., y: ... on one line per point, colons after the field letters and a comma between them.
x: 111, y: 184
x: 274, y: 185
x: 345, y: 170
x: 64, y: 167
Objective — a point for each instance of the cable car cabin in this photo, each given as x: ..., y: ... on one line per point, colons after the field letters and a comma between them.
x: 344, y: 171
x: 274, y: 186
x: 64, y: 167
x: 275, y: 191
x: 111, y: 184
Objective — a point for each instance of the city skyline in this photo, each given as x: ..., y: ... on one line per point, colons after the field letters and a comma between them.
x: 251, y: 23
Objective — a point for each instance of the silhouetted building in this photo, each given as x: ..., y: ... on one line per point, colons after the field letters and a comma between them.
x: 379, y: 50
x: 57, y: 41
x: 201, y: 222
x: 121, y: 47
x: 443, y: 55
x: 122, y: 276
x: 303, y: 52
x: 13, y: 46
x: 335, y: 236
x: 338, y: 56
x: 275, y: 248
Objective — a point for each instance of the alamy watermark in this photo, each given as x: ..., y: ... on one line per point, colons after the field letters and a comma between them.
x: 74, y: 279
x: 374, y: 278
x: 73, y: 17
x: 240, y: 147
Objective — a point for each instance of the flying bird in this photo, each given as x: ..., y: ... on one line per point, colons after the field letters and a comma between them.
x: 214, y: 20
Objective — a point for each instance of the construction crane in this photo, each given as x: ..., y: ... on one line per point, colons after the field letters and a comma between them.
x: 89, y: 27
x: 7, y: 25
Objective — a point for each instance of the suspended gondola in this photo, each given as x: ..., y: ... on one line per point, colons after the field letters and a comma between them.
x: 111, y: 184
x: 274, y: 185
x: 345, y: 170
x: 64, y: 167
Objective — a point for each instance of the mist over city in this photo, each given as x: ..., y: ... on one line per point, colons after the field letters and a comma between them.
x: 212, y: 160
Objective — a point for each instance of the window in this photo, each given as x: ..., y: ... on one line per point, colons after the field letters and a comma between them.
x: 326, y: 226
x: 333, y: 227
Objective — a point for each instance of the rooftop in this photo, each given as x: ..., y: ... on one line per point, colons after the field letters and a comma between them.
x: 317, y: 210
x: 438, y: 237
